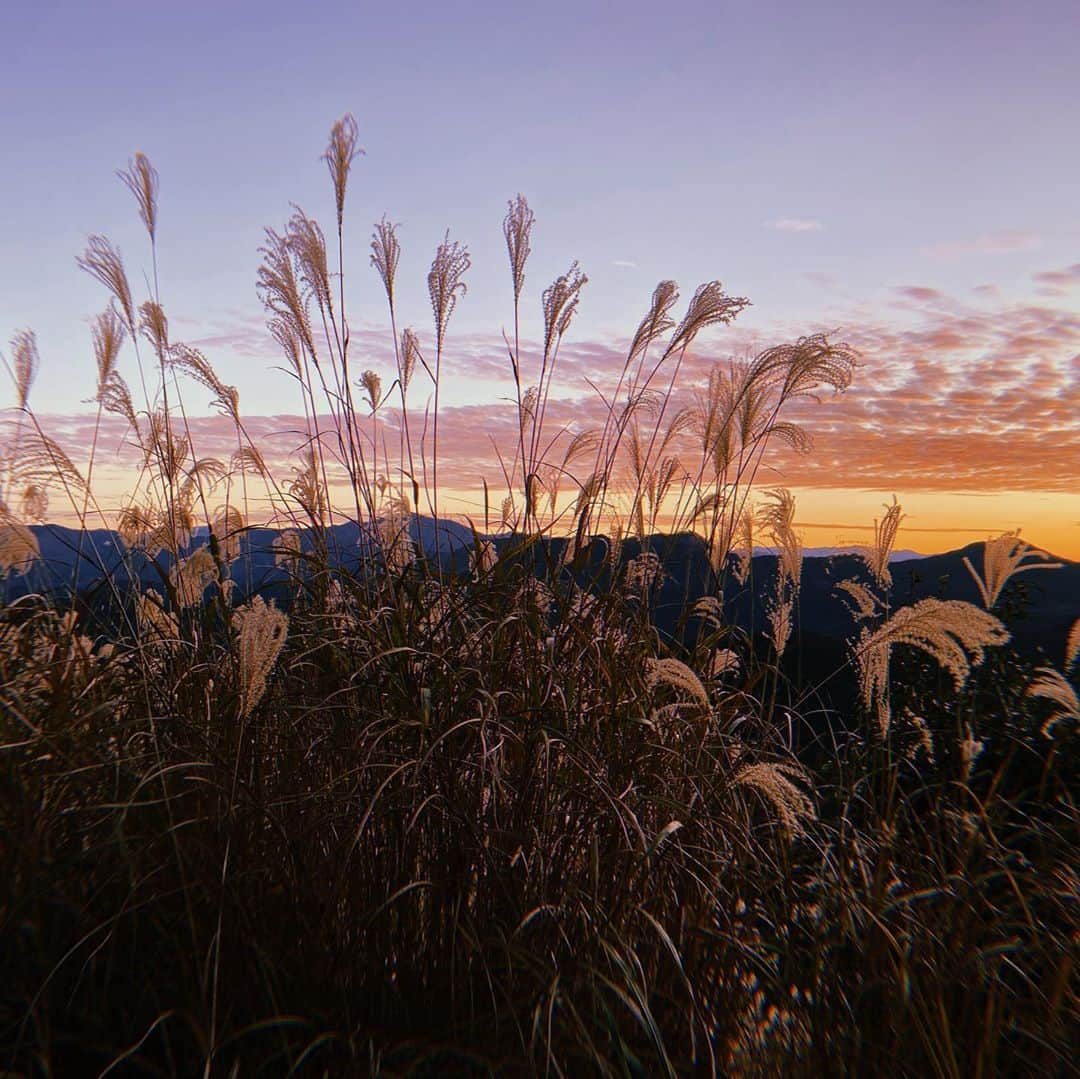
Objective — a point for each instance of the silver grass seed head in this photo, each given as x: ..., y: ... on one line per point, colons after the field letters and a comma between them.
x: 924, y: 739
x: 658, y: 320
x: 877, y: 557
x: 710, y: 609
x: 385, y: 255
x: 107, y: 333
x: 18, y: 548
x: 248, y: 459
x: 24, y: 363
x: 281, y: 294
x: 865, y: 602
x: 134, y: 523
x: 261, y: 632
x: 154, y: 620
x: 445, y: 283
x: 410, y: 356
x: 34, y: 502
x: 1003, y: 558
x: 779, y: 612
x: 814, y: 361
x: 284, y: 333
x: 341, y: 151
x: 517, y: 229
x: 971, y: 749
x: 141, y: 179
x: 946, y: 630
x: 371, y: 383
x: 307, y: 243
x: 288, y: 550
x: 227, y: 527
x: 102, y: 261
x: 506, y: 511
x: 644, y: 573
x: 676, y: 675
x: 41, y: 460
x: 709, y: 306
x: 192, y: 362
x: 560, y: 301
x: 482, y: 559
x: 191, y: 576
x: 1052, y: 685
x: 204, y: 474
x: 1072, y: 645
x: 115, y: 397
x: 773, y: 782
x: 154, y: 326
x: 723, y: 661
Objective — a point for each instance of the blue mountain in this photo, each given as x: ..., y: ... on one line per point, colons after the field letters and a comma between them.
x: 95, y: 563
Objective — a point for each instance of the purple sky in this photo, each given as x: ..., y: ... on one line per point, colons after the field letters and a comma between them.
x: 815, y: 157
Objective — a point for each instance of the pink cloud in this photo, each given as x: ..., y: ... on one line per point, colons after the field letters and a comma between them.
x: 1058, y: 283
x: 1002, y: 242
x: 1069, y: 276
x: 824, y: 280
x: 920, y: 293
x: 951, y: 396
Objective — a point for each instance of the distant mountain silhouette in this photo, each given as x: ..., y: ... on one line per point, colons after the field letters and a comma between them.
x: 96, y: 561
x: 833, y: 552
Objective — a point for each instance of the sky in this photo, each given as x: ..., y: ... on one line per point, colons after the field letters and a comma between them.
x: 903, y: 176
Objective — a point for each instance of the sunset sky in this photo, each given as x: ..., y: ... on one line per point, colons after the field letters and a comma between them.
x: 903, y: 176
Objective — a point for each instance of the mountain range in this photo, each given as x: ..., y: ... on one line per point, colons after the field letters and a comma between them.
x: 1040, y: 607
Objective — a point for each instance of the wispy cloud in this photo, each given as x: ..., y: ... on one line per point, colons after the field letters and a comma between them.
x: 920, y: 293
x: 1058, y: 282
x: 625, y: 263
x: 795, y: 224
x: 953, y: 394
x: 824, y: 280
x: 1002, y: 242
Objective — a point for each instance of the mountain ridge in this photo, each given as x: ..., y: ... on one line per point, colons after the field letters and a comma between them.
x: 1052, y: 596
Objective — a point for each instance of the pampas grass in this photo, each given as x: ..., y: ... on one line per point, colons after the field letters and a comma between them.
x: 773, y: 781
x: 676, y: 675
x: 341, y: 151
x: 1051, y: 685
x: 877, y: 557
x: 404, y: 813
x: 1002, y: 559
x: 261, y: 631
x: 946, y: 630
x: 19, y: 547
x: 1072, y: 645
x: 141, y: 179
x: 25, y: 362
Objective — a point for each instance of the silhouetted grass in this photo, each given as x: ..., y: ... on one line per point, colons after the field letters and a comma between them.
x: 485, y: 820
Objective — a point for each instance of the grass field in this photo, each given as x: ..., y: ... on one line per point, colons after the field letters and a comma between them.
x: 418, y: 820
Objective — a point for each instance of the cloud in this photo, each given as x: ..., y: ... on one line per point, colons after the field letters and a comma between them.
x: 920, y: 293
x: 626, y: 264
x: 824, y: 280
x: 1070, y: 276
x: 1002, y: 242
x: 1058, y: 283
x: 795, y: 224
x: 954, y: 393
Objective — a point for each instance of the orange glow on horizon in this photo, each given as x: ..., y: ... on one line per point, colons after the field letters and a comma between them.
x: 934, y: 521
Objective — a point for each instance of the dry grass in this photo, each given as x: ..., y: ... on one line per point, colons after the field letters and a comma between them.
x: 946, y: 630
x: 476, y: 819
